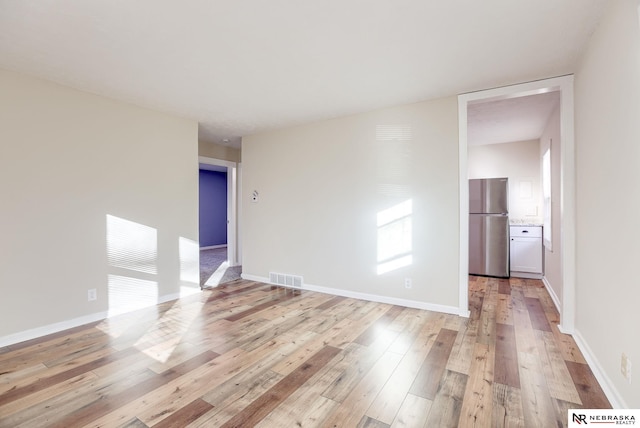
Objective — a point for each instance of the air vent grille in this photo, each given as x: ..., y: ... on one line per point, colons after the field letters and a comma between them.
x: 286, y: 280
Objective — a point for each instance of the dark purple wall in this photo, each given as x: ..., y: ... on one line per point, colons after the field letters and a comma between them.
x: 213, y: 208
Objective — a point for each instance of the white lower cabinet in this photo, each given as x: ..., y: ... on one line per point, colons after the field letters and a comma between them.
x: 525, y: 251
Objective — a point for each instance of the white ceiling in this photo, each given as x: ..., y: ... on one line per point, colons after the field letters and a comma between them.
x: 242, y: 67
x: 510, y: 120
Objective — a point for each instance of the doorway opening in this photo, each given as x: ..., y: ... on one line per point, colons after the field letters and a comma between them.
x: 566, y: 229
x: 219, y: 258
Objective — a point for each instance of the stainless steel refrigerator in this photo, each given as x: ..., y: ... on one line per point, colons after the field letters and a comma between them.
x: 489, y: 227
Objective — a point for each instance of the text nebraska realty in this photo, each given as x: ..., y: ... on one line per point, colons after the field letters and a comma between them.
x: 611, y: 419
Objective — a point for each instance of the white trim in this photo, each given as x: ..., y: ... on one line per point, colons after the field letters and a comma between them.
x: 547, y: 224
x: 232, y: 188
x: 552, y: 293
x: 564, y: 84
x: 239, y: 215
x: 370, y: 297
x: 232, y: 244
x: 169, y: 297
x: 567, y: 206
x: 463, y: 184
x: 213, y: 247
x: 45, y: 330
x: 218, y: 162
x: 50, y: 329
x: 615, y: 398
x: 528, y: 275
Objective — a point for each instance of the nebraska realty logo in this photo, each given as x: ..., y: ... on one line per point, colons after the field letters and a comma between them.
x: 582, y: 417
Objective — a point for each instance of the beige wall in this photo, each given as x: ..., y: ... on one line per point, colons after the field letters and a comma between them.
x: 218, y: 151
x: 67, y: 160
x: 553, y: 258
x: 607, y: 99
x: 520, y: 162
x: 321, y: 187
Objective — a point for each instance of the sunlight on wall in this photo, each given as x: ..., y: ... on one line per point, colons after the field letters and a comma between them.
x: 132, y: 253
x: 394, y: 224
x: 189, y: 266
x: 128, y: 294
x: 393, y: 147
x: 189, y: 259
x: 132, y: 245
x: 132, y: 284
x: 393, y: 133
x: 395, y: 237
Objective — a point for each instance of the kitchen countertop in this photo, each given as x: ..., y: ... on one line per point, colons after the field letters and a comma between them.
x: 525, y: 222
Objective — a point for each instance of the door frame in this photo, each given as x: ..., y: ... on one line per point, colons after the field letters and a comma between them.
x: 564, y: 85
x: 232, y: 197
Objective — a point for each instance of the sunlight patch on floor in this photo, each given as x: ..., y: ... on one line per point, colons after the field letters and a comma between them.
x: 160, y: 342
x: 216, y: 277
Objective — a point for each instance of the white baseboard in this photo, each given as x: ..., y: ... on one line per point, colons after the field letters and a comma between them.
x: 170, y: 297
x: 527, y: 275
x: 370, y: 297
x: 213, y: 247
x: 616, y: 400
x: 50, y: 329
x: 552, y: 293
x: 45, y: 330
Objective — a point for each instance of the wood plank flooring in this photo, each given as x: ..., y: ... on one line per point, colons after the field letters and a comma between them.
x: 249, y: 354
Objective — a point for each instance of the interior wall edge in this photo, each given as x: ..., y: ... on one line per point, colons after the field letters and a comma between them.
x: 552, y: 293
x: 609, y: 389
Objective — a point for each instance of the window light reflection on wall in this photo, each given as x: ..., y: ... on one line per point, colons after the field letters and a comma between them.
x: 129, y: 294
x: 394, y: 224
x: 395, y: 237
x: 189, y: 260
x: 132, y: 245
x: 132, y: 253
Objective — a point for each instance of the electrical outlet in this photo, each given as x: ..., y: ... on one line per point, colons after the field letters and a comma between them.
x: 92, y: 294
x: 625, y: 367
x: 407, y: 283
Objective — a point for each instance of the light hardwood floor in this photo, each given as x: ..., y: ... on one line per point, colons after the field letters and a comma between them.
x: 249, y: 354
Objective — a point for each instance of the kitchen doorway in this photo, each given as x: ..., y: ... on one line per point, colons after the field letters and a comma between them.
x: 563, y: 85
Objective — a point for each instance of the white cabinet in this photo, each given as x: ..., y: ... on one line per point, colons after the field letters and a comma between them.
x: 525, y: 251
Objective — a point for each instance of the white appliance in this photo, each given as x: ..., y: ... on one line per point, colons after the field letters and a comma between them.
x: 526, y: 251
